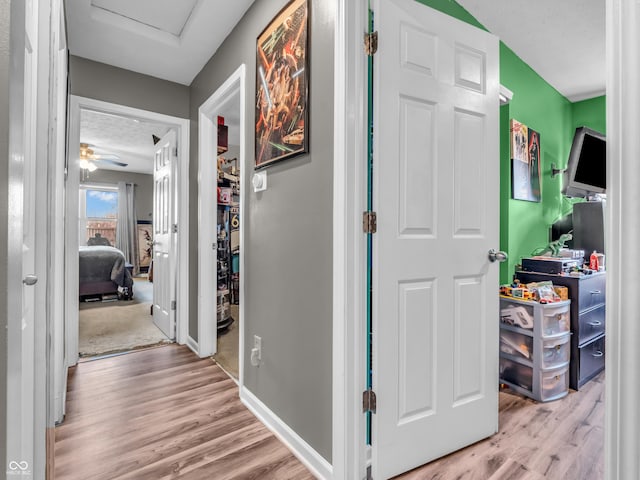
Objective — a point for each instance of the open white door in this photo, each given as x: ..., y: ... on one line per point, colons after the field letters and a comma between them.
x: 163, y: 235
x: 435, y: 316
x: 21, y: 268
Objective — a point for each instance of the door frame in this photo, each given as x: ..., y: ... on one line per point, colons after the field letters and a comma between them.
x: 350, y: 454
x: 207, y: 204
x: 181, y: 125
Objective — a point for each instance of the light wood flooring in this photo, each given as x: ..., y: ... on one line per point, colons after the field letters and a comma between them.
x: 163, y: 413
x: 561, y: 440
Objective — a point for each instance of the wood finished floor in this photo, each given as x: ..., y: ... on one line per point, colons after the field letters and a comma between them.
x: 562, y: 440
x: 159, y: 414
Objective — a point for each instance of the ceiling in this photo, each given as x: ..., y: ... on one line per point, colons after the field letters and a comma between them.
x: 168, y: 39
x: 564, y: 41
x: 128, y: 138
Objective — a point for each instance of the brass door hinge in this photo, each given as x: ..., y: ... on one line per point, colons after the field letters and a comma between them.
x: 369, y: 222
x: 369, y: 401
x: 371, y: 43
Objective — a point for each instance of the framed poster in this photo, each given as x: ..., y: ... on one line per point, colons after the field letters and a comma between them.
x: 145, y: 244
x: 282, y: 86
x: 525, y: 162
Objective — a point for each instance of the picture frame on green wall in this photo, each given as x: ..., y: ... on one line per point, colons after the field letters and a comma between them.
x: 282, y: 84
x: 525, y: 162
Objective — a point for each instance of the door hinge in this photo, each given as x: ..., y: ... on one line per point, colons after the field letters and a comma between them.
x: 174, y: 228
x: 369, y: 401
x: 371, y: 43
x: 369, y: 222
x: 173, y: 304
x: 175, y: 152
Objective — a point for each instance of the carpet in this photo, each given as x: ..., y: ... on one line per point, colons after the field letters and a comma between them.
x: 110, y: 327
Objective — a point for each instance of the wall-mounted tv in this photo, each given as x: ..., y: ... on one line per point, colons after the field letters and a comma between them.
x: 586, y: 172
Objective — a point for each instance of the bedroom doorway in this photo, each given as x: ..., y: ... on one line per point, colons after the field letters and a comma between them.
x: 110, y: 205
x: 116, y: 234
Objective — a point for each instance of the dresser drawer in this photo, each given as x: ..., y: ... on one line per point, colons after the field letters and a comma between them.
x: 591, y: 324
x: 591, y: 359
x: 592, y: 292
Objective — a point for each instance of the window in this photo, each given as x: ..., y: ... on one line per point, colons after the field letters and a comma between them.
x: 99, y: 213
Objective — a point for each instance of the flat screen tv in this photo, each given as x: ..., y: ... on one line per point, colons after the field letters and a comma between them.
x: 586, y: 172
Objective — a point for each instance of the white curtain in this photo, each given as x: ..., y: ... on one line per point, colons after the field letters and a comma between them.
x: 127, y: 230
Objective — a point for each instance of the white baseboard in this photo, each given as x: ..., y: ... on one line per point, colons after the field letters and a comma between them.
x: 301, y: 449
x: 192, y: 344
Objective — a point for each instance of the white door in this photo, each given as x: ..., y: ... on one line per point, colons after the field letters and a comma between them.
x: 435, y: 316
x: 163, y: 238
x: 22, y: 280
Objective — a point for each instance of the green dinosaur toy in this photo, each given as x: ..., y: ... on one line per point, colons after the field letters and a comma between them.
x: 554, y: 247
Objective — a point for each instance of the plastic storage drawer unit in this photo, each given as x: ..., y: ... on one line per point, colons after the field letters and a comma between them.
x: 535, y: 348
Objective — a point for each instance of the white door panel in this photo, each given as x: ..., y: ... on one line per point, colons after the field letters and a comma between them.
x: 163, y: 237
x: 21, y: 267
x: 435, y: 315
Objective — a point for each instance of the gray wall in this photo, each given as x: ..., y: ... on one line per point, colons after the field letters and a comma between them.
x: 288, y: 250
x: 112, y: 84
x: 4, y: 167
x: 144, y: 188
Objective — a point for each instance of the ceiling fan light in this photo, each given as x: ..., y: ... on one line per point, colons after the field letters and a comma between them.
x: 84, y: 164
x: 92, y: 167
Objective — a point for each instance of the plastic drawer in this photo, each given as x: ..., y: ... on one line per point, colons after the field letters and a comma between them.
x: 555, y: 352
x: 516, y: 373
x: 517, y: 315
x: 554, y: 383
x: 516, y: 344
x: 556, y: 320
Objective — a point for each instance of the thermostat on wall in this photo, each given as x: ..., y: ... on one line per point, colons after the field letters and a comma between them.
x: 259, y: 181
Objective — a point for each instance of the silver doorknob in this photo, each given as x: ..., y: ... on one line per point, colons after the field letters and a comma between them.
x: 30, y: 280
x: 497, y: 256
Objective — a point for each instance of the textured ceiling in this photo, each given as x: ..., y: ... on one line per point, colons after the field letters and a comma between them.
x: 129, y: 138
x: 168, y: 39
x: 563, y: 41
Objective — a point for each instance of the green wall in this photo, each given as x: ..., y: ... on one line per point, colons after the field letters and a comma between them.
x: 590, y: 113
x: 524, y: 226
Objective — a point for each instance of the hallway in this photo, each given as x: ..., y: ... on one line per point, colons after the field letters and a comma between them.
x: 163, y: 413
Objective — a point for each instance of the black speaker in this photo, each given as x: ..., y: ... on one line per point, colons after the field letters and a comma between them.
x: 589, y: 227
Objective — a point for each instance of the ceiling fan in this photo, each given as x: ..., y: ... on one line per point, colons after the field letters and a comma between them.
x: 89, y: 160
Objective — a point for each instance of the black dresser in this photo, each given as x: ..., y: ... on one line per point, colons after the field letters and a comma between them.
x: 587, y: 294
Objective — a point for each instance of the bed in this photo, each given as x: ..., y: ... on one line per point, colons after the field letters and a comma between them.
x: 103, y: 270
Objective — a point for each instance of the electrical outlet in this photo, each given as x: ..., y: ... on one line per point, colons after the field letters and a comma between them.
x: 256, y: 351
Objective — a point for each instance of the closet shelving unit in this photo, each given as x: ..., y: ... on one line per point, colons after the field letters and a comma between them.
x: 228, y: 183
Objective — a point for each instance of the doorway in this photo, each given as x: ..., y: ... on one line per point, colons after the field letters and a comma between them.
x: 222, y: 173
x: 116, y: 233
x: 68, y: 356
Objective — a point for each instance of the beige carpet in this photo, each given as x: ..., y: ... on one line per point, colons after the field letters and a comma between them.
x: 227, y: 355
x: 109, y: 327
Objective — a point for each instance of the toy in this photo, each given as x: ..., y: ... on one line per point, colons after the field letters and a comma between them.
x: 516, y: 315
x: 553, y: 248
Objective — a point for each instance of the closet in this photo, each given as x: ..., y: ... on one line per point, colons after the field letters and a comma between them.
x: 227, y: 230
